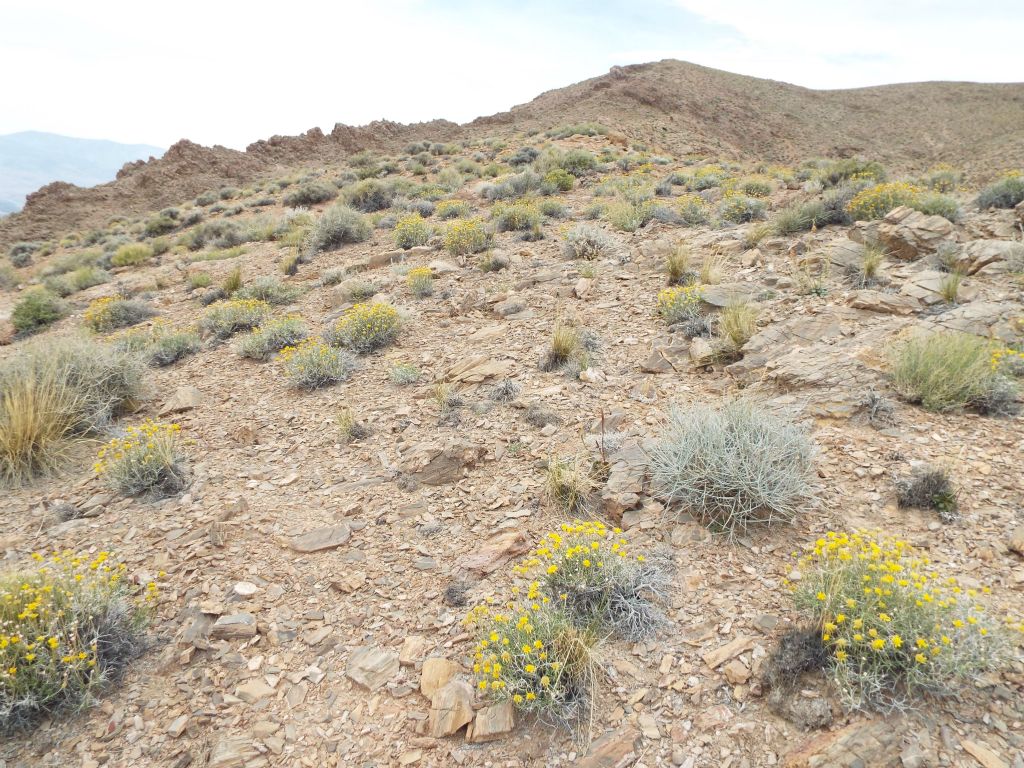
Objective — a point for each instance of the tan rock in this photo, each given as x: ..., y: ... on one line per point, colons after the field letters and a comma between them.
x: 442, y: 463
x: 908, y: 234
x: 874, y: 743
x: 885, y: 303
x: 236, y: 625
x: 1016, y: 542
x: 253, y: 691
x: 412, y: 648
x: 983, y: 754
x: 611, y: 750
x: 491, y: 723
x: 436, y: 673
x: 372, y: 667
x: 728, y: 651
x: 736, y: 672
x: 232, y: 752
x: 183, y: 399
x: 451, y: 709
x: 495, y: 552
x: 320, y: 539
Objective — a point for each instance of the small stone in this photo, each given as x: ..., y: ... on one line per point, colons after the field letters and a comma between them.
x: 253, y: 691
x: 231, y: 752
x: 372, y: 667
x: 183, y: 399
x: 648, y: 726
x: 412, y: 648
x: 736, y: 672
x: 491, y: 723
x: 245, y: 589
x: 610, y: 750
x: 177, y: 726
x: 237, y: 625
x: 322, y: 538
x: 1016, y: 543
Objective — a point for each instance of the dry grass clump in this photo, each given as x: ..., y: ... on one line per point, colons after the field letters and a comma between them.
x: 949, y: 287
x: 571, y: 483
x: 740, y: 209
x: 587, y: 242
x: 896, y: 627
x: 929, y: 487
x: 404, y: 374
x: 733, y: 467
x: 420, y: 281
x: 336, y: 226
x: 112, y: 312
x: 270, y: 290
x: 160, y: 344
x: 677, y: 266
x: 145, y: 459
x: 311, y: 364
x: 629, y: 216
x: 68, y: 628
x: 349, y: 427
x: 494, y: 262
x: 273, y: 336
x: 52, y: 393
x: 569, y: 349
x: 223, y: 319
x: 948, y: 370
x: 38, y: 309
x: 602, y: 588
x: 365, y: 328
x: 77, y: 280
x: 131, y: 254
x: 679, y: 303
x: 737, y: 323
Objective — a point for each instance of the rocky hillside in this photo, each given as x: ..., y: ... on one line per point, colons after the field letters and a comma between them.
x: 497, y: 335
x: 672, y: 106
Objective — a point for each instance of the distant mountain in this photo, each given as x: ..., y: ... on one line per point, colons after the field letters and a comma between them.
x: 30, y: 159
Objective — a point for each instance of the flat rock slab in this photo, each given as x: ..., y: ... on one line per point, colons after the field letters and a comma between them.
x: 320, y: 539
x: 885, y: 303
x: 451, y: 709
x: 372, y: 666
x: 236, y: 625
x: 613, y: 750
x: 724, y: 294
x: 491, y: 723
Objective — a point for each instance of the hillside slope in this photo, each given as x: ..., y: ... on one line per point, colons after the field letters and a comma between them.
x: 672, y: 105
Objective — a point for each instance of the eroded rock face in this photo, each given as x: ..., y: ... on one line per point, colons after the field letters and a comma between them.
x: 979, y: 254
x: 908, y: 234
x: 491, y: 723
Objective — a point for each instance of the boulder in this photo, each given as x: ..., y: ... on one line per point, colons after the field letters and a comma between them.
x: 437, y: 672
x: 978, y: 254
x: 611, y: 750
x: 874, y: 742
x: 908, y: 234
x: 442, y: 463
x: 724, y: 294
x: 499, y: 549
x: 183, y: 399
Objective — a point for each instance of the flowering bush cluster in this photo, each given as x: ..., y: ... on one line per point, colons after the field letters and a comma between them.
x: 273, y: 336
x: 895, y: 626
x: 226, y: 318
x: 112, y: 312
x: 692, y: 209
x: 451, y: 209
x: 366, y: 327
x: 312, y: 364
x: 147, y: 459
x: 411, y: 231
x: 679, y: 303
x: 420, y: 281
x: 65, y: 627
x: 466, y: 236
x: 1007, y: 360
x: 876, y: 201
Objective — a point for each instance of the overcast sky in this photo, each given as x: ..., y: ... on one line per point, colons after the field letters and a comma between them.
x: 231, y: 72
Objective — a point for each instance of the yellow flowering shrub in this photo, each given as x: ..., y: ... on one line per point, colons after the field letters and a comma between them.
x: 876, y: 201
x: 895, y: 626
x: 466, y: 236
x: 515, y: 217
x: 1007, y: 360
x: 312, y: 364
x: 66, y: 626
x: 411, y: 231
x: 530, y: 654
x: 226, y: 318
x: 679, y: 303
x: 366, y: 327
x: 587, y: 568
x: 146, y: 459
x: 692, y: 209
x: 112, y: 312
x: 451, y: 209
x: 273, y: 336
x: 420, y: 281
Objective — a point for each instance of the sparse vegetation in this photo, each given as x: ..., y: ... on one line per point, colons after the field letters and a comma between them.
x: 587, y: 242
x: 411, y: 231
x: 223, y: 319
x: 273, y: 336
x: 132, y: 254
x: 420, y: 281
x: 311, y: 364
x: 309, y: 194
x: 365, y: 328
x: 466, y: 236
x: 1007, y: 192
x: 337, y: 226
x: 737, y: 324
x: 146, y: 459
x: 404, y: 374
x: 160, y: 344
x: 680, y: 303
x: 733, y: 467
x: 37, y: 309
x: 112, y: 312
x: 929, y: 487
x: 268, y: 289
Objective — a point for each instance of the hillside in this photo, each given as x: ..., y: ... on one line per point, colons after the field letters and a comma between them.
x: 32, y: 159
x: 673, y: 106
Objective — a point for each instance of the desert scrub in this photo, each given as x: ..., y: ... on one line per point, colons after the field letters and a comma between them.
x: 515, y: 217
x: 68, y: 628
x: 532, y: 655
x: 273, y: 336
x: 112, y: 312
x: 365, y: 328
x: 947, y: 370
x: 628, y: 216
x: 679, y: 303
x: 312, y: 364
x: 494, y: 262
x: 452, y: 209
x: 337, y: 226
x: 928, y: 487
x: 75, y: 281
x: 223, y: 319
x: 692, y: 210
x: 569, y: 349
x: 875, y: 202
x: 602, y: 587
x: 268, y: 289
x: 146, y: 459
x: 558, y: 179
x: 420, y: 281
x: 38, y: 309
x: 20, y: 254
x: 369, y: 195
x: 309, y: 194
x: 1006, y: 192
x: 737, y: 324
x: 131, y: 254
x: 587, y: 242
x: 936, y: 204
x: 160, y: 344
x: 740, y: 209
x: 895, y: 625
x: 466, y: 236
x: 411, y: 231
x: 733, y: 467
x: 404, y: 374
x: 571, y: 483
x: 755, y: 186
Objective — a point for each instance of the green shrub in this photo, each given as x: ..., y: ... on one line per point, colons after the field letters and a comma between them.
x: 71, y: 262
x: 9, y: 278
x: 553, y: 209
x: 578, y: 162
x: 159, y: 225
x: 411, y: 231
x: 515, y: 217
x: 733, y: 467
x: 310, y: 194
x: 160, y: 344
x: 629, y: 216
x: 365, y: 328
x: 692, y: 210
x: 836, y: 172
x: 273, y: 336
x: 146, y: 459
x: 78, y: 624
x: 420, y: 281
x: 269, y: 289
x: 51, y: 393
x: 312, y: 364
x: 466, y: 236
x: 937, y: 204
x: 942, y: 178
x: 798, y: 218
x: 111, y: 312
x: 79, y: 280
x: 560, y: 179
x: 337, y: 226
x: 894, y: 626
x: 452, y: 209
x: 132, y: 254
x: 1007, y: 192
x: 740, y: 209
x: 369, y: 195
x: 404, y: 374
x: 679, y: 303
x: 948, y: 370
x: 226, y: 318
x: 20, y: 254
x: 219, y: 234
x: 37, y: 309
x: 755, y: 186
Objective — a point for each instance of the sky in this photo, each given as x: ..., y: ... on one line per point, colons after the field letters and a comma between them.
x: 230, y: 72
